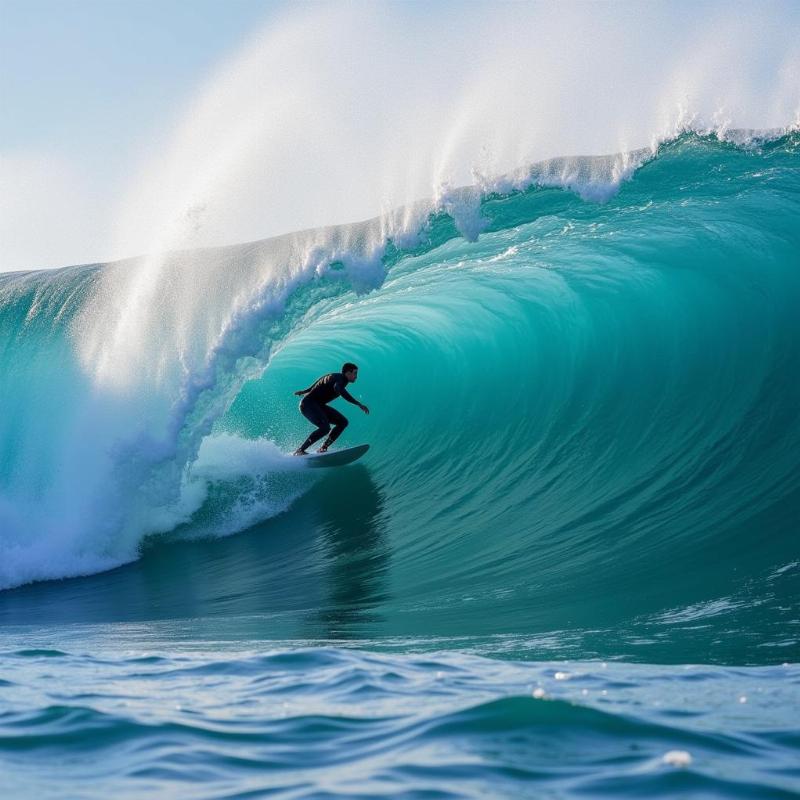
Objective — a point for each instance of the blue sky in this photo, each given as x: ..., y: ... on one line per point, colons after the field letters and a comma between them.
x: 122, y: 119
x: 93, y: 84
x: 108, y: 71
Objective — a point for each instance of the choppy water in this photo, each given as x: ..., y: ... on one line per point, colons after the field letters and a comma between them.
x: 332, y: 722
x: 585, y: 440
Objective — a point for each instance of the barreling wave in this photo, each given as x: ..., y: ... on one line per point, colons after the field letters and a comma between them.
x: 584, y: 383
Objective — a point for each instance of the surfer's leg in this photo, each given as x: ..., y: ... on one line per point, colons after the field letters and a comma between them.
x: 315, y: 414
x: 339, y: 422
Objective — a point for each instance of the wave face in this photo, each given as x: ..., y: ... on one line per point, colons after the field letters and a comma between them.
x: 585, y: 395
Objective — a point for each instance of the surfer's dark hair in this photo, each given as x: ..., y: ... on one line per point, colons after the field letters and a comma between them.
x: 348, y: 367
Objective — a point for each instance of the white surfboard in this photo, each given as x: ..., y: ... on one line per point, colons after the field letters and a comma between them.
x: 335, y: 458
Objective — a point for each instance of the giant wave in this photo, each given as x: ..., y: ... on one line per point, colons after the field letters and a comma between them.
x: 584, y: 383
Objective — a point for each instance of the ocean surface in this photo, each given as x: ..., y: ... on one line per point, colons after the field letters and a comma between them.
x: 569, y: 565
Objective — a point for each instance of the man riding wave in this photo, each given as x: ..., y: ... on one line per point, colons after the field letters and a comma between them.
x: 314, y: 406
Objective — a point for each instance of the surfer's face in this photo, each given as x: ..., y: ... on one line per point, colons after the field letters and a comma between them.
x: 352, y: 375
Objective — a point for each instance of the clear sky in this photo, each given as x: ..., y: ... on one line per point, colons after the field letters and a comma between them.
x: 132, y: 125
x: 108, y: 68
x: 86, y: 87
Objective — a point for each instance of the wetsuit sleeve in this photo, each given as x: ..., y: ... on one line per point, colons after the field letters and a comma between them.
x: 347, y: 396
x: 339, y: 385
x: 306, y: 391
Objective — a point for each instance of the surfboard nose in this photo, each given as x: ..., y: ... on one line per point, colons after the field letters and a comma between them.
x: 337, y: 458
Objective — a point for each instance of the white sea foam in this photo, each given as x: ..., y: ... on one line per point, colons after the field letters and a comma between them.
x: 677, y: 758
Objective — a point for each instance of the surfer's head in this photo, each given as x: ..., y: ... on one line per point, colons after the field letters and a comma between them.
x: 350, y: 371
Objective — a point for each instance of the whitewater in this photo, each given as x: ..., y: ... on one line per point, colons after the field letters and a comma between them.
x: 568, y: 564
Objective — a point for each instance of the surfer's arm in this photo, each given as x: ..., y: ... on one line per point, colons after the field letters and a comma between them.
x: 304, y: 391
x: 347, y: 396
x: 350, y: 399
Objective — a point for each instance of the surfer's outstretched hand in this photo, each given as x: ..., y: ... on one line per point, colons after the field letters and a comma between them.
x: 300, y: 393
x: 364, y: 409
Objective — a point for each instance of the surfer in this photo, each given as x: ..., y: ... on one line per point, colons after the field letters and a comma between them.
x: 314, y: 406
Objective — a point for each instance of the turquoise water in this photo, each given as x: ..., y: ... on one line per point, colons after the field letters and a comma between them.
x: 567, y: 566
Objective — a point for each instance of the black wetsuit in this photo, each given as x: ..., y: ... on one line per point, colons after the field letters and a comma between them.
x: 314, y: 407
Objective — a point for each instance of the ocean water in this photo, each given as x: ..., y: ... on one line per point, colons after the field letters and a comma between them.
x: 568, y: 565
